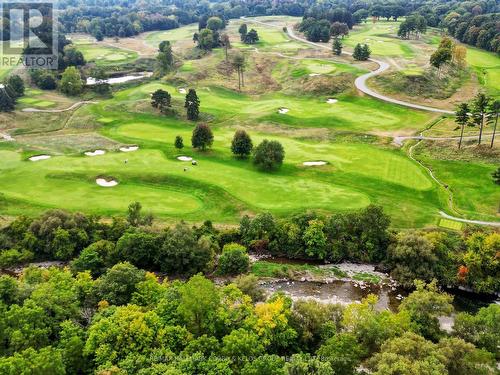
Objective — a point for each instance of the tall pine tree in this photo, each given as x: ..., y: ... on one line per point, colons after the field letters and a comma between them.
x: 192, y: 105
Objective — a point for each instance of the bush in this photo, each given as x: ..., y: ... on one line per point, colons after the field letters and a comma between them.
x: 269, y: 155
x: 12, y: 257
x: 234, y: 260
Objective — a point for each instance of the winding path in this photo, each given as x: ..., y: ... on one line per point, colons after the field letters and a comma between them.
x: 360, y: 82
x: 74, y: 106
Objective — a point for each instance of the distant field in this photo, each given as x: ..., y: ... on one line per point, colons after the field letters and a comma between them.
x: 103, y: 54
x: 181, y: 34
x: 380, y: 37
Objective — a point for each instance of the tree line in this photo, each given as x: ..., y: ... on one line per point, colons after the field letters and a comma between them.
x: 466, y: 259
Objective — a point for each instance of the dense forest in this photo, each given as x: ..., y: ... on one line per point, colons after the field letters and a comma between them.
x: 107, y: 313
x: 472, y: 22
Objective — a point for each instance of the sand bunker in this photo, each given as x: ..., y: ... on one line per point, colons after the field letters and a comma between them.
x: 106, y: 183
x: 129, y: 148
x: 331, y: 101
x: 283, y: 111
x: 184, y: 158
x: 40, y: 157
x: 314, y: 163
x: 183, y: 91
x: 6, y: 137
x: 95, y: 153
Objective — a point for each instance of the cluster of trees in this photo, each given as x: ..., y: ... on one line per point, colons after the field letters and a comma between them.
x: 480, y: 112
x: 361, y: 52
x: 449, y: 53
x: 248, y: 37
x: 126, y: 321
x: 412, y: 25
x: 10, y: 90
x: 208, y: 36
x: 476, y: 28
x: 162, y: 100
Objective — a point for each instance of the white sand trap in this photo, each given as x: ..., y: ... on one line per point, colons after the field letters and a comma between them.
x: 6, y: 137
x: 184, y: 158
x: 40, y: 157
x: 314, y: 75
x: 314, y: 163
x: 129, y: 148
x: 331, y: 101
x: 95, y: 153
x: 283, y: 111
x: 380, y: 41
x: 106, y: 183
x: 183, y: 91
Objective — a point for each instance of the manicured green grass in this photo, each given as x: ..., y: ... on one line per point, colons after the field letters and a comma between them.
x: 220, y: 186
x: 451, y: 224
x: 487, y: 67
x: 474, y: 193
x: 106, y: 55
x: 381, y: 38
x: 175, y: 35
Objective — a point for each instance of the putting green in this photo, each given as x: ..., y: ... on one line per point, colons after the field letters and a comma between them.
x: 106, y: 55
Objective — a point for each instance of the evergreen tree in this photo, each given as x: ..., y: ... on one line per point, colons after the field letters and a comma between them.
x: 192, y: 105
x: 161, y: 100
x: 337, y: 46
x: 479, y: 110
x: 462, y: 119
x: 165, y: 58
x: 242, y: 144
x: 243, y: 30
x: 493, y: 113
x: 179, y: 143
x: 361, y: 52
x: 239, y: 65
x: 6, y: 102
x: 16, y: 83
x: 99, y: 36
x: 366, y: 52
x: 251, y: 37
x: 202, y: 137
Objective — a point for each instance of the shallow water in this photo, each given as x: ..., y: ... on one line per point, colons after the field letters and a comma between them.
x: 123, y: 79
x: 345, y: 292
